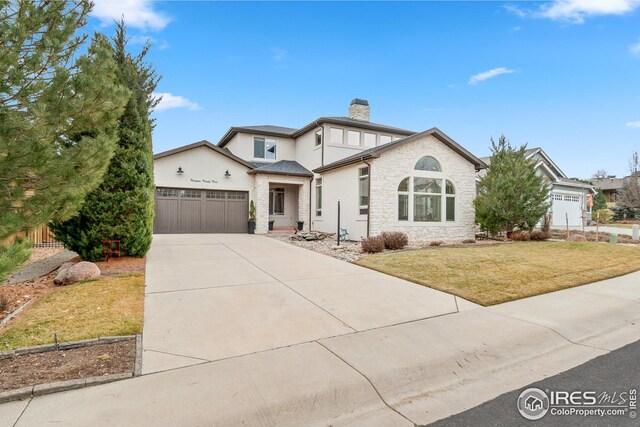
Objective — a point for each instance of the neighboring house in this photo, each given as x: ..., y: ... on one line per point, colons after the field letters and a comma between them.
x: 610, y: 187
x: 570, y: 199
x: 385, y: 178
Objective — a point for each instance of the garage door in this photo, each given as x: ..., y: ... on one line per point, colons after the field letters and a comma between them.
x: 566, y: 206
x: 201, y: 211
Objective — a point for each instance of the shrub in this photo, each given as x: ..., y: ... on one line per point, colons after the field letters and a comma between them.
x: 373, y: 244
x: 520, y: 236
x: 436, y: 243
x: 539, y: 236
x: 395, y: 240
x: 603, y: 216
x: 469, y: 241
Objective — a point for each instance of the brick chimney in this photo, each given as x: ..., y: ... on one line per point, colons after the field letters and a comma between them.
x: 359, y: 110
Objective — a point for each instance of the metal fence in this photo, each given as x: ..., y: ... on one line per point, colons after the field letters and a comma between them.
x: 42, y: 236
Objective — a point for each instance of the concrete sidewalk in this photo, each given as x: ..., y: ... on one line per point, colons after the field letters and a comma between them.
x: 413, y: 372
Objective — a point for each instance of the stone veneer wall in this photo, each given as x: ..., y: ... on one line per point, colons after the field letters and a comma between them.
x: 261, y: 198
x: 398, y: 163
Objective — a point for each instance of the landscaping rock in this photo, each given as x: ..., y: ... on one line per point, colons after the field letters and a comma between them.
x: 42, y: 267
x: 77, y: 272
x: 576, y: 238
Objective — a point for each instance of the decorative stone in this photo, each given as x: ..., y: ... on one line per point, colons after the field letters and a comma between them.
x: 576, y: 238
x: 77, y: 272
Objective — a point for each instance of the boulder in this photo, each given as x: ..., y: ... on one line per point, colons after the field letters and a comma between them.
x: 576, y: 238
x: 77, y: 272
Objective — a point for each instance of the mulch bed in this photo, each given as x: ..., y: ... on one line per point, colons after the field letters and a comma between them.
x: 40, y: 368
x: 590, y: 236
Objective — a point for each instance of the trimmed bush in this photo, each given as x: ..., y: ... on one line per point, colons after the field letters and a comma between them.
x: 539, y: 236
x: 395, y: 240
x: 603, y: 216
x: 436, y: 243
x: 373, y: 244
x: 468, y: 241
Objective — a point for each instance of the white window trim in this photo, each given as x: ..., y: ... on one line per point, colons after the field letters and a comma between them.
x: 318, y: 211
x: 363, y: 177
x: 253, y: 140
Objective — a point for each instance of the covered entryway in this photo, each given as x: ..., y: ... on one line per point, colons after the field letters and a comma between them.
x: 566, y: 207
x: 181, y: 210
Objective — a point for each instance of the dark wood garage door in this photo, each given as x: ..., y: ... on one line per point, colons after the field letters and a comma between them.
x: 201, y: 211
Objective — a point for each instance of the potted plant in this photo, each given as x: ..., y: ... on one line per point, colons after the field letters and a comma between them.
x: 271, y: 221
x: 300, y: 225
x: 252, y: 218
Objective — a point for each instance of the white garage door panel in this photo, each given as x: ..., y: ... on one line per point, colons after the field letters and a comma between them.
x: 565, y: 207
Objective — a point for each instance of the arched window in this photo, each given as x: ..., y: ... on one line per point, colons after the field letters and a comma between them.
x: 430, y: 198
x: 429, y: 164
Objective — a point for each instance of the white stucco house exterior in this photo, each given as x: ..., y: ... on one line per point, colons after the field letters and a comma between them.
x: 386, y: 179
x: 571, y: 201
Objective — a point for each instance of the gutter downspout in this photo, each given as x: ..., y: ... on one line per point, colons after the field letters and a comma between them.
x: 368, y: 196
x: 310, y: 184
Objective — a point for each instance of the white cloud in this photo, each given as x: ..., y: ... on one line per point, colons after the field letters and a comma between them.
x: 635, y: 48
x: 137, y: 13
x: 576, y: 11
x: 485, y: 75
x: 635, y: 124
x: 170, y: 101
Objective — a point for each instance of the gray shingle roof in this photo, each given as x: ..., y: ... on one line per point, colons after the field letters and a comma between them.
x: 268, y: 129
x: 348, y: 121
x: 283, y: 167
x: 608, y: 183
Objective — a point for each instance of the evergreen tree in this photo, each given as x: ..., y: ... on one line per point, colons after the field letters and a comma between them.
x: 599, y: 201
x: 511, y: 194
x: 57, y: 111
x: 122, y: 206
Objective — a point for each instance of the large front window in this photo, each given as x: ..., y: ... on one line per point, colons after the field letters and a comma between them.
x: 363, y: 190
x: 276, y: 201
x: 264, y: 148
x: 426, y: 196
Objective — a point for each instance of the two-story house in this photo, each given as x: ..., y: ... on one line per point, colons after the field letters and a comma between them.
x: 385, y: 178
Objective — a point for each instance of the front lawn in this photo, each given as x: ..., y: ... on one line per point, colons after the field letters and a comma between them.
x: 493, y: 274
x: 108, y: 306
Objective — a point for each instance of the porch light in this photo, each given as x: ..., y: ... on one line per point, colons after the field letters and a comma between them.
x: 227, y: 174
x: 180, y: 171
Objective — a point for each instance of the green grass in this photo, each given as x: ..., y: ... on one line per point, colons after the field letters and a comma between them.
x: 493, y: 274
x: 108, y: 306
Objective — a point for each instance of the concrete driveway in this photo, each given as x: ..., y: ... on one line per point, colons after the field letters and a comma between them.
x: 212, y: 297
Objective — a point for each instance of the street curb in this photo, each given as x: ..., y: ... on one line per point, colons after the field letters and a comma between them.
x: 137, y: 370
x: 64, y: 346
x: 58, y: 386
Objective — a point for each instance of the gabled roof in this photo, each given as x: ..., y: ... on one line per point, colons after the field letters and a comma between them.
x: 283, y: 167
x: 608, y: 183
x: 530, y: 152
x: 376, y: 151
x: 204, y: 143
x: 286, y: 132
x: 573, y: 183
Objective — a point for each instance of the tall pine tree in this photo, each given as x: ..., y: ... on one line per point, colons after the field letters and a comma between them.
x: 511, y: 194
x: 122, y: 206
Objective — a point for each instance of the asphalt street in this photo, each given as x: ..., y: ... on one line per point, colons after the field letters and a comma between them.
x: 618, y: 371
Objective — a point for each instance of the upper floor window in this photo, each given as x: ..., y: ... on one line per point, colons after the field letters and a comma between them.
x: 384, y: 139
x: 264, y: 148
x: 318, y: 138
x: 353, y: 138
x: 429, y: 164
x: 336, y: 136
x: 369, y: 140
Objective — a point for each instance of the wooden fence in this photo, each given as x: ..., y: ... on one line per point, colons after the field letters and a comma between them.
x: 42, y: 236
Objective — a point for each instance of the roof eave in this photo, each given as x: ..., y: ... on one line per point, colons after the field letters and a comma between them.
x: 256, y: 172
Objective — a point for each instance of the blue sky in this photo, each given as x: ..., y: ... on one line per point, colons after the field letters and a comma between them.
x: 562, y: 75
